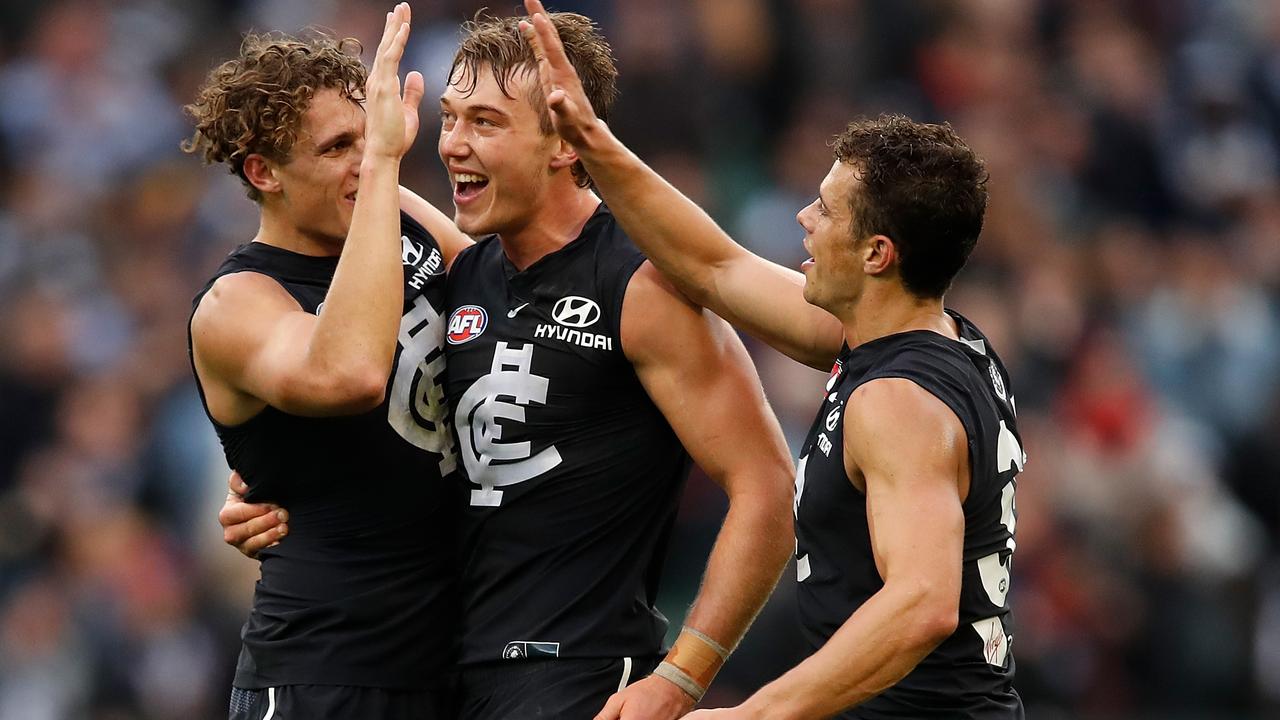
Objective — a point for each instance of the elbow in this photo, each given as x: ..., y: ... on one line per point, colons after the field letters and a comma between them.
x: 934, y: 615
x: 350, y: 392
x: 362, y: 391
x: 940, y: 624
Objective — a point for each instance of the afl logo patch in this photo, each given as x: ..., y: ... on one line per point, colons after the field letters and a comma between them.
x: 467, y: 323
x: 575, y: 311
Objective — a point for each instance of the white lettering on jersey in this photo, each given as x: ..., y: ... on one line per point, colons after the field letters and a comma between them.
x: 573, y: 337
x: 416, y: 406
x: 824, y: 444
x: 479, y: 431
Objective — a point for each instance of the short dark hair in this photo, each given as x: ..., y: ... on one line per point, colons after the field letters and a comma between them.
x: 255, y: 102
x: 497, y: 42
x: 923, y: 188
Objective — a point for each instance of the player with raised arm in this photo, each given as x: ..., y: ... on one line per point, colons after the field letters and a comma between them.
x: 581, y: 384
x: 904, y: 496
x: 317, y: 350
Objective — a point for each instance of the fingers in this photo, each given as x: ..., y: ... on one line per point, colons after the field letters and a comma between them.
x: 613, y: 708
x: 394, y: 37
x: 236, y: 511
x: 250, y: 528
x: 237, y: 484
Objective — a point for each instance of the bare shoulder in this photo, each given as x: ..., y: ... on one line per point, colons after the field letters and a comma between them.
x: 656, y: 317
x: 891, y: 418
x: 234, y: 297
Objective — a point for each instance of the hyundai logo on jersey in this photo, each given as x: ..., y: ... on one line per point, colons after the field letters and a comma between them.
x: 575, y: 311
x: 467, y: 323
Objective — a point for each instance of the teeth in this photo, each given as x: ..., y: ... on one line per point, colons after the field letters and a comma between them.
x: 469, y: 178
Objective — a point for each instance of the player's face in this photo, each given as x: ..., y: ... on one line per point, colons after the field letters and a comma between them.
x: 496, y: 154
x: 318, y: 182
x: 833, y: 275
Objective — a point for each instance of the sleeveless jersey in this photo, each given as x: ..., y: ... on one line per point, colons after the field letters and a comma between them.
x: 361, y: 591
x: 970, y: 674
x: 574, y: 473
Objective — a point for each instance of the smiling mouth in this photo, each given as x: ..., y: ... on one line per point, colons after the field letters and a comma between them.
x: 351, y: 196
x: 466, y: 186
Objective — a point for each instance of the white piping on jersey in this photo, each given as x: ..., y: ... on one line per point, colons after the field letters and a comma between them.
x: 626, y: 673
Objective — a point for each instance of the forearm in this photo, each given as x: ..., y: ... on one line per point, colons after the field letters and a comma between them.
x: 748, y: 557
x: 874, y: 649
x: 677, y: 235
x: 358, y: 326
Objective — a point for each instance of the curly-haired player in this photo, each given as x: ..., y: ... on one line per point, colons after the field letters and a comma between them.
x: 317, y: 352
x: 904, y: 497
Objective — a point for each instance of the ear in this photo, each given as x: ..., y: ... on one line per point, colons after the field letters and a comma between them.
x: 565, y: 156
x: 879, y: 255
x: 260, y: 173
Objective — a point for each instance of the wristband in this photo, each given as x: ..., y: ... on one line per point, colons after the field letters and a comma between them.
x: 693, y: 662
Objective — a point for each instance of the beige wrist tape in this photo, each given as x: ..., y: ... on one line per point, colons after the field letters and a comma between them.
x: 693, y: 662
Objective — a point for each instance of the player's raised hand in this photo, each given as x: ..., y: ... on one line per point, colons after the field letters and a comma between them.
x: 571, y: 111
x: 250, y: 527
x: 391, y: 122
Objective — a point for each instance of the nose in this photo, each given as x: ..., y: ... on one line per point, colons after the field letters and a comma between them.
x: 803, y: 216
x: 453, y: 143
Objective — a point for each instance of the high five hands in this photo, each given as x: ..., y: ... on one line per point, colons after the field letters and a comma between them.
x: 571, y: 112
x: 391, y: 123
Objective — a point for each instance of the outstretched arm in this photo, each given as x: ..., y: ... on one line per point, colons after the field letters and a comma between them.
x: 697, y: 372
x: 761, y: 297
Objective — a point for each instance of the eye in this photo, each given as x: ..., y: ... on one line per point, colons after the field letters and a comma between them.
x: 484, y: 122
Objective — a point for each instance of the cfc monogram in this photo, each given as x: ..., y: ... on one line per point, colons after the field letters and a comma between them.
x: 491, y: 463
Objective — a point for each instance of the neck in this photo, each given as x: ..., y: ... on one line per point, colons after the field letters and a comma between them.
x: 274, y: 228
x: 557, y: 223
x: 882, y: 311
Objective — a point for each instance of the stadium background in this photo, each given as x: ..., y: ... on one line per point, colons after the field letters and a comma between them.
x: 1129, y: 273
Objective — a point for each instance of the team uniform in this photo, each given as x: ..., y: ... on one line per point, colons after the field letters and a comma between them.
x: 355, y: 615
x: 574, y: 479
x: 970, y: 674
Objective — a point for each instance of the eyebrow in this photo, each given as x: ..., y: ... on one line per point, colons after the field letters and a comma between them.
x: 476, y: 109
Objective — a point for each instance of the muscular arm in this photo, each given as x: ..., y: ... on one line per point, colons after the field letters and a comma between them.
x: 452, y: 240
x: 911, y: 452
x: 761, y: 297
x: 252, y: 343
x: 699, y: 375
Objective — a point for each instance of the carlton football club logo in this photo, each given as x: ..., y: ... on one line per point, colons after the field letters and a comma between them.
x: 467, y: 323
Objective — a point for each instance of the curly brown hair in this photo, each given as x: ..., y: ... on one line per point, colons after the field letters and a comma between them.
x: 255, y: 103
x: 497, y: 43
x: 923, y: 188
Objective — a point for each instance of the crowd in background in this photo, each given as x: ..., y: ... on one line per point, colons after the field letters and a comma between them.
x: 1128, y: 273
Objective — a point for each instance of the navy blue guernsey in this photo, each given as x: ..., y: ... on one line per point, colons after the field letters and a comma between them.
x: 574, y: 473
x: 970, y: 674
x: 361, y: 592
